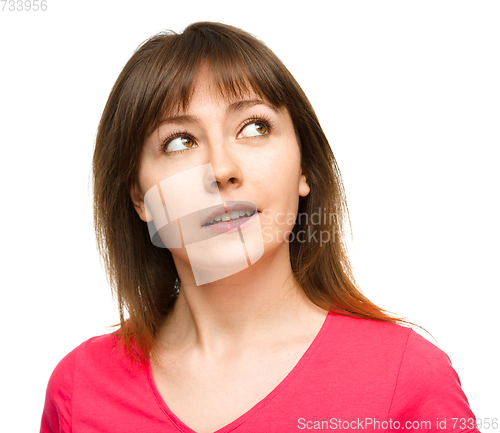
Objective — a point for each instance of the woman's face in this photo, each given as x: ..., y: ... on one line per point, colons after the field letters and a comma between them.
x: 218, y: 160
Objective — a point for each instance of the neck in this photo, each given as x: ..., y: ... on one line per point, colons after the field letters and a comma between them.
x: 262, y: 300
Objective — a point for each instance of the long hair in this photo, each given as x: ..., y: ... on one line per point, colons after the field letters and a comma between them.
x: 159, y: 78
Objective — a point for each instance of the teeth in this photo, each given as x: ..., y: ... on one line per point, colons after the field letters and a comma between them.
x: 235, y: 214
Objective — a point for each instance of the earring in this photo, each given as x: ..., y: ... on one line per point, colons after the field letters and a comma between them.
x: 177, y: 287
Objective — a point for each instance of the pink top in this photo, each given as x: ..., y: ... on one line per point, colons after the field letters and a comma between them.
x: 358, y: 374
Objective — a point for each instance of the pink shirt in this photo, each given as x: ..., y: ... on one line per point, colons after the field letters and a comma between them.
x: 357, y: 374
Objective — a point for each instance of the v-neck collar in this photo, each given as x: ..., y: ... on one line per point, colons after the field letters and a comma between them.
x: 233, y: 425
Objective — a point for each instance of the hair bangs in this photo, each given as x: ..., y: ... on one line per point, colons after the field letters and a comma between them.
x: 235, y: 68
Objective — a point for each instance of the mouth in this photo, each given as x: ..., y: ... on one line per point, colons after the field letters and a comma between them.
x: 230, y: 216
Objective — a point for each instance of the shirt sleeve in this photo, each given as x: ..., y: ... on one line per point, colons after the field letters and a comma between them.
x: 56, y: 417
x: 428, y: 394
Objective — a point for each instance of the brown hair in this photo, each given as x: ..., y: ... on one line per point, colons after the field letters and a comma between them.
x: 159, y: 78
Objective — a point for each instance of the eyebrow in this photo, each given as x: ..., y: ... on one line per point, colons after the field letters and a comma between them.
x: 232, y: 108
x: 248, y: 103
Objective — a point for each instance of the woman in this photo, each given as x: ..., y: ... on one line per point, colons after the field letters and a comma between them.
x: 220, y: 215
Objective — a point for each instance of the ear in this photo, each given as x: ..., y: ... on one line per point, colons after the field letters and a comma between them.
x: 304, y: 188
x: 138, y: 201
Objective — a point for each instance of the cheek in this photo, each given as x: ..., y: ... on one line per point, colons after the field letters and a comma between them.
x: 280, y: 171
x: 148, y: 176
x: 281, y: 155
x: 278, y: 178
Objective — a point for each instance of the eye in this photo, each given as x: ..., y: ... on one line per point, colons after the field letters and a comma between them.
x: 254, y: 129
x: 179, y: 143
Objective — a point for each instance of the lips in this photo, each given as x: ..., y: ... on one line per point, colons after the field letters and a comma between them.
x: 229, y: 208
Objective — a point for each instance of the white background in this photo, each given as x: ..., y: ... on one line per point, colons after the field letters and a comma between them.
x: 408, y: 94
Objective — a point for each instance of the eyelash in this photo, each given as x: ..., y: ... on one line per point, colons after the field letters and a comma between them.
x: 253, y: 119
x: 173, y: 137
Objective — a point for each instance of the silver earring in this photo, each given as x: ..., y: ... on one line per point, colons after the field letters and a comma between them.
x: 177, y: 287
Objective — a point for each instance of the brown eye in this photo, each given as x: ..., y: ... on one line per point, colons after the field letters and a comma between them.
x: 261, y: 128
x: 254, y: 129
x: 179, y: 143
x: 186, y: 141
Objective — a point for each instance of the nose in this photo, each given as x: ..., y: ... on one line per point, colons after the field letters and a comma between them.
x: 226, y: 168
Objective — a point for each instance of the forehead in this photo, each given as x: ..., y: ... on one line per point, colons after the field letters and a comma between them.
x: 206, y: 90
x: 207, y: 87
x: 233, y: 90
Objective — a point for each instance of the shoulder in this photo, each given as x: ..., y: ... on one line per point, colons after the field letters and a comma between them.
x: 397, y: 345
x: 358, y: 359
x: 428, y: 387
x: 57, y: 412
x: 355, y: 335
x: 387, y: 338
x: 424, y: 356
x: 94, y: 354
x: 94, y: 350
x: 367, y: 358
x: 430, y: 367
